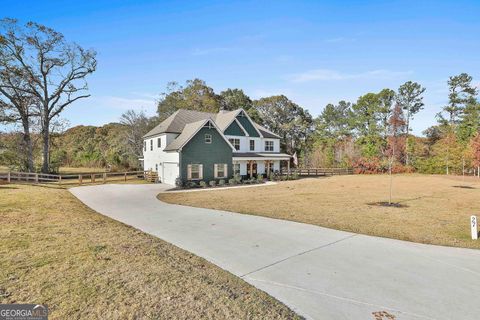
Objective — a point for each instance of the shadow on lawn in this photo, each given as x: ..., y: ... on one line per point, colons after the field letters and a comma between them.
x: 388, y: 204
x: 2, y: 187
x: 464, y: 187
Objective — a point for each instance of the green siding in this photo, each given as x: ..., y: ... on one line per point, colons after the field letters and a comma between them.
x: 248, y: 126
x: 196, y: 151
x: 234, y: 130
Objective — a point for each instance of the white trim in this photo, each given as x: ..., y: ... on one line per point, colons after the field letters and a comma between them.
x: 259, y: 158
x: 189, y: 171
x: 251, y: 121
x: 200, y: 127
x: 241, y: 127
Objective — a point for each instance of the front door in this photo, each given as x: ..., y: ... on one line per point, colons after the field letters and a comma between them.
x: 252, y: 169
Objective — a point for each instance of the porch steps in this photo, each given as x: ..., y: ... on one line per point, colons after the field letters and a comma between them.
x: 151, y: 176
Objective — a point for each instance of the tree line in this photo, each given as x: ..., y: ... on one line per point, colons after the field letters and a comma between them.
x: 41, y: 74
x: 366, y: 133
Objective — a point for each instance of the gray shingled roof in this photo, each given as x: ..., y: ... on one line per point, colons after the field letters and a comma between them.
x: 177, y: 121
x: 265, y: 132
x: 188, y: 131
x: 224, y: 118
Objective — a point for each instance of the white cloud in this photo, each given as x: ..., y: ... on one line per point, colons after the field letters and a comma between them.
x: 331, y: 75
x: 145, y: 95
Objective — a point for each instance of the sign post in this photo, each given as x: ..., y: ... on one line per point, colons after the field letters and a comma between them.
x: 474, y: 226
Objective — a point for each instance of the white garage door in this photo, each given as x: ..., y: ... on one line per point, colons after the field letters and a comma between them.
x: 170, y: 172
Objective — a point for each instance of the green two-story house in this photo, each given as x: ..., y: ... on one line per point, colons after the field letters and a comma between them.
x: 195, y: 146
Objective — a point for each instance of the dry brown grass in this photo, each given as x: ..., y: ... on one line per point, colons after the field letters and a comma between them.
x: 55, y: 250
x: 436, y: 211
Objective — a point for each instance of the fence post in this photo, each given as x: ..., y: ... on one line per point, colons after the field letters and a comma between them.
x: 104, y: 177
x: 8, y: 177
x: 125, y: 176
x: 80, y: 178
x: 92, y: 178
x: 59, y: 179
x: 36, y: 177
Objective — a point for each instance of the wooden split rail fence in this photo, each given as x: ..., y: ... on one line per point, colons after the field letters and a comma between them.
x: 322, y: 171
x: 81, y: 178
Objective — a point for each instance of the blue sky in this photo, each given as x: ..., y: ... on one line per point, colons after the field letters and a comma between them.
x: 315, y: 52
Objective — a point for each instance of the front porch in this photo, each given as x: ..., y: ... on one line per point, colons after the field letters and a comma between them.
x: 253, y: 164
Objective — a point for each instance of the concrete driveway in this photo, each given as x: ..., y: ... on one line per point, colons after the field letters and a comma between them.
x: 320, y: 273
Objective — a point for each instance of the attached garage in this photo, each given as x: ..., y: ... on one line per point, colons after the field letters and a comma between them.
x: 169, y: 172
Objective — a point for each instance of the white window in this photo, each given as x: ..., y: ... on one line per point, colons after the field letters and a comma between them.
x: 220, y: 170
x: 195, y: 172
x: 236, y: 168
x: 151, y: 145
x: 252, y: 145
x: 144, y: 145
x: 159, y: 142
x: 235, y: 143
x: 268, y: 145
x: 208, y: 138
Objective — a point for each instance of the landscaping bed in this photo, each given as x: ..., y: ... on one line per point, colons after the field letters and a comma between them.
x: 235, y: 181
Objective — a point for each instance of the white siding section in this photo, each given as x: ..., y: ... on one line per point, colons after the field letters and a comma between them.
x: 166, y: 162
x: 259, y: 143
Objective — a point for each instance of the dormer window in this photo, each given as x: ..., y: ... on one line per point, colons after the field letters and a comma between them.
x: 208, y: 138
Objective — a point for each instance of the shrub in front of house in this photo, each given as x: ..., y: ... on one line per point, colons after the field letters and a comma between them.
x: 221, y: 183
x: 232, y: 182
x: 260, y: 178
x: 212, y: 183
x: 237, y: 178
x: 203, y: 184
x: 191, y: 184
x: 179, y: 183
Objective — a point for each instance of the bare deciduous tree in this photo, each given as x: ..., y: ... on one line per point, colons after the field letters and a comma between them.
x: 53, y: 69
x: 138, y: 124
x: 18, y: 106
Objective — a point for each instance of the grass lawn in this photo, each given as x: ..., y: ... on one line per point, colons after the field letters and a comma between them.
x: 436, y: 209
x: 54, y: 250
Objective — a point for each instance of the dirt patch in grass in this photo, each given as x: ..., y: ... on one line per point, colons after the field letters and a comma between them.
x: 54, y: 250
x: 432, y: 210
x: 388, y: 204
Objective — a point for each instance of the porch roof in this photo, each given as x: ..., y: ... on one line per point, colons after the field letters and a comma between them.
x: 260, y: 156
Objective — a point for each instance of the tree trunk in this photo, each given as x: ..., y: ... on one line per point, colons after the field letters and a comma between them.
x: 407, y: 159
x: 27, y: 141
x: 46, y: 147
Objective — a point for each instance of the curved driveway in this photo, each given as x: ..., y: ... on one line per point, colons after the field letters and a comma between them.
x: 320, y: 273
